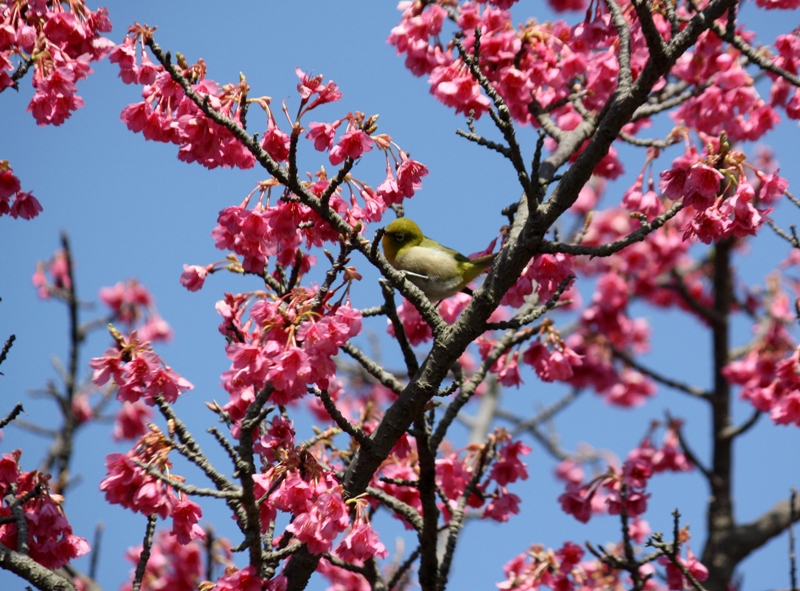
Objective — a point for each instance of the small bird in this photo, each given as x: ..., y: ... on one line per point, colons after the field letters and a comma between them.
x: 437, y: 270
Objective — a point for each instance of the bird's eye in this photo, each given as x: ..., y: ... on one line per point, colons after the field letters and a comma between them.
x: 399, y: 237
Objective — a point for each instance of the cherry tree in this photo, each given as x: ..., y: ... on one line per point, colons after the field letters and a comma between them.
x: 684, y: 89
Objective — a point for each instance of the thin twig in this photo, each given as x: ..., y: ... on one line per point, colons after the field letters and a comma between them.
x: 145, y: 554
x: 11, y: 415
x: 373, y: 369
x: 404, y: 510
x: 604, y: 250
x: 732, y: 431
x: 345, y: 425
x: 662, y: 379
x: 402, y: 570
x: 6, y: 348
x: 792, y: 519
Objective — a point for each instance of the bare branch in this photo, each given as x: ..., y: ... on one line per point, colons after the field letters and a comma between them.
x: 40, y: 577
x: 6, y: 348
x: 338, y: 418
x: 605, y: 250
x: 407, y: 511
x: 147, y: 544
x: 625, y: 77
x: 11, y: 415
x: 372, y: 368
x: 661, y: 379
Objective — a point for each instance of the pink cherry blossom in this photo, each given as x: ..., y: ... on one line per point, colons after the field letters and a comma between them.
x: 130, y: 421
x: 576, y: 501
x: 310, y: 86
x: 416, y: 329
x: 194, y: 276
x: 241, y: 580
x: 319, y: 527
x: 185, y: 516
x: 353, y: 144
x: 502, y: 506
x: 409, y: 175
x: 51, y: 541
x: 322, y: 134
x: 361, y: 543
x: 139, y: 373
x: 9, y: 183
x: 508, y: 467
x: 25, y: 206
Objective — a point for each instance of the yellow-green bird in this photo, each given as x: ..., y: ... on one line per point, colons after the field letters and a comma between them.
x: 437, y: 270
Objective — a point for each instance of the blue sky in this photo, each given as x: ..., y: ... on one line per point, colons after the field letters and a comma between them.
x: 133, y: 210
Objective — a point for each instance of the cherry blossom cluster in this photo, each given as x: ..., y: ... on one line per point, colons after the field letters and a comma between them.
x: 27, y: 495
x: 676, y: 580
x: 132, y: 304
x: 418, y: 331
x: 167, y: 114
x: 714, y: 187
x: 131, y: 482
x: 130, y: 421
x: 551, y: 62
x: 562, y: 569
x: 137, y: 371
x: 551, y: 357
x: 768, y: 372
x: 604, y: 328
x: 460, y: 475
x: 637, y: 271
x: 538, y: 60
x: 295, y: 482
x: 566, y: 569
x: 608, y: 493
x: 543, y: 273
x: 788, y: 57
x: 288, y: 342
x: 59, y: 40
x: 547, y: 353
x: 279, y: 229
x: 266, y: 231
x: 320, y: 515
x: 13, y: 200
x: 129, y: 303
x: 622, y: 486
x: 730, y: 103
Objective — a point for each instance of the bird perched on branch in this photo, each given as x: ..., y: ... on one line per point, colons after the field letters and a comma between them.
x: 437, y: 270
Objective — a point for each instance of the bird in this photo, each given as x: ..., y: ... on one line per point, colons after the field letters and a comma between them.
x: 438, y: 271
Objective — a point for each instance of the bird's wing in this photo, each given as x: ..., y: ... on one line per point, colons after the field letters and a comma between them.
x: 428, y: 243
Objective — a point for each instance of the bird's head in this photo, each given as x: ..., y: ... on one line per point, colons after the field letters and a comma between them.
x: 400, y: 234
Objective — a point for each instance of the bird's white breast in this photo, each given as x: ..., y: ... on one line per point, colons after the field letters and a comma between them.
x: 435, y: 271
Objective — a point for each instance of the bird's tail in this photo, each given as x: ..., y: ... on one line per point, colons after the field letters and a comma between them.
x: 478, y: 266
x: 485, y: 261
